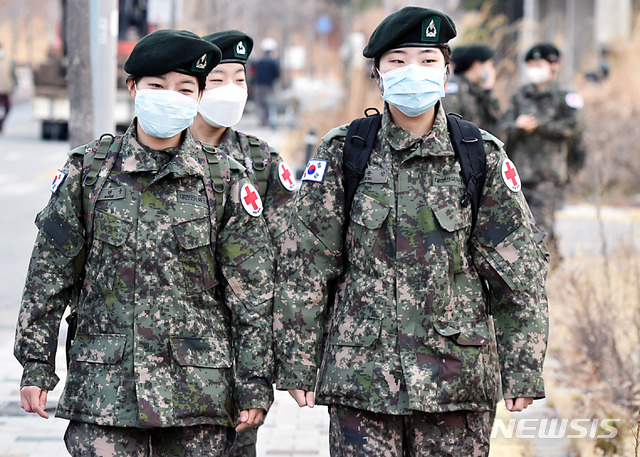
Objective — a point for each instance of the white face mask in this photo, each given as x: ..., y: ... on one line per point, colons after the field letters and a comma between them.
x: 537, y: 75
x: 413, y: 89
x: 164, y: 113
x: 223, y: 106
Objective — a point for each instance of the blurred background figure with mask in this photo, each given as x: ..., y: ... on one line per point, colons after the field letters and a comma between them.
x: 470, y: 92
x: 544, y: 133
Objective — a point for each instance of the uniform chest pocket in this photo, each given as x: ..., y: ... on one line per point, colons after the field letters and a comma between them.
x: 110, y: 234
x: 367, y: 218
x: 111, y: 229
x: 455, y: 223
x: 196, y: 254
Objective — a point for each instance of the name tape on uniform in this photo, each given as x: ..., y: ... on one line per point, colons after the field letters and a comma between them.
x: 315, y: 170
x: 250, y: 199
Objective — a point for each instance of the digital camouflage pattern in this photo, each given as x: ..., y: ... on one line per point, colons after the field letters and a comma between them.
x: 549, y: 156
x: 278, y: 201
x: 474, y: 103
x: 164, y: 314
x: 410, y: 328
x: 546, y: 153
x: 82, y: 440
x: 358, y: 433
x: 276, y: 198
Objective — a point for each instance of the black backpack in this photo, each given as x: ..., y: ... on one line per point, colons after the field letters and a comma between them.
x: 465, y: 138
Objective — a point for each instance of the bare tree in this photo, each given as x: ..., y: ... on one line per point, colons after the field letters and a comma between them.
x: 79, y: 72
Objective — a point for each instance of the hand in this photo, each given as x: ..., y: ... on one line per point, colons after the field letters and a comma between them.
x: 34, y: 400
x: 517, y: 404
x: 251, y: 417
x: 303, y: 397
x: 490, y: 80
x: 527, y: 122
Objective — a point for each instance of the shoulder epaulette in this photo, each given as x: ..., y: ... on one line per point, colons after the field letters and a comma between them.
x: 81, y: 150
x: 235, y: 165
x: 486, y: 136
x: 336, y: 133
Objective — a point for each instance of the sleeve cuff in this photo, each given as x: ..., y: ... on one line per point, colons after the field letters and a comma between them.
x: 524, y: 384
x: 295, y: 377
x: 256, y: 395
x: 39, y: 374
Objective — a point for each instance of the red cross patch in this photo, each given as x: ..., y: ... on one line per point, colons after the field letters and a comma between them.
x: 287, y: 179
x: 250, y: 199
x: 510, y: 176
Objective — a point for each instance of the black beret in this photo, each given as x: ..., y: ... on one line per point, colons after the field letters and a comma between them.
x: 168, y: 50
x: 410, y: 26
x: 464, y: 56
x: 234, y: 45
x: 545, y: 51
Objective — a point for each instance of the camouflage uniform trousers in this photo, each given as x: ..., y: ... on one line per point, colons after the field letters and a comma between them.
x: 544, y: 198
x: 354, y: 432
x: 245, y: 444
x: 91, y: 440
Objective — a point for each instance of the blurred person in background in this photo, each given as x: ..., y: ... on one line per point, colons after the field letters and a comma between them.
x: 544, y: 134
x: 265, y: 72
x: 7, y: 85
x: 160, y: 250
x: 220, y: 109
x: 470, y: 92
x: 407, y: 367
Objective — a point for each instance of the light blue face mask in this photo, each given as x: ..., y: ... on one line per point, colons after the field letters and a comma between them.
x: 164, y: 113
x: 413, y: 89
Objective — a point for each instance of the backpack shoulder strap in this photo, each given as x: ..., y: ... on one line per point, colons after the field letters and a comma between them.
x: 260, y: 156
x: 466, y: 139
x: 216, y: 185
x: 95, y: 171
x: 359, y: 142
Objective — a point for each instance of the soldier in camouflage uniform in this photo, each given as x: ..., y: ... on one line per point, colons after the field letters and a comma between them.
x: 219, y: 110
x: 407, y: 367
x: 470, y: 92
x: 543, y: 125
x: 174, y: 277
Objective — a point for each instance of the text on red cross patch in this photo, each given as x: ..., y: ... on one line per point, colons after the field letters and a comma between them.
x: 250, y: 199
x: 286, y: 177
x: 510, y: 176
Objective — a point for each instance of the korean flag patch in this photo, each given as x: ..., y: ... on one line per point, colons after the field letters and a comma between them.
x: 315, y: 170
x: 250, y: 199
x: 57, y: 181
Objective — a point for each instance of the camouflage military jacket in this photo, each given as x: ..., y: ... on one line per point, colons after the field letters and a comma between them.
x: 163, y: 315
x: 543, y: 154
x: 473, y: 103
x: 410, y: 325
x: 278, y: 191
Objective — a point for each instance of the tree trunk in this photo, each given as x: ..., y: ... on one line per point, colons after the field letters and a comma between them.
x: 79, y: 72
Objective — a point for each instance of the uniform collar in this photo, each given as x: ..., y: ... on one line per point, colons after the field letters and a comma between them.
x: 434, y: 143
x: 228, y: 142
x: 531, y: 90
x: 136, y: 158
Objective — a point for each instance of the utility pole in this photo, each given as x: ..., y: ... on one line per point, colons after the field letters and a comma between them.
x: 79, y: 72
x: 104, y: 33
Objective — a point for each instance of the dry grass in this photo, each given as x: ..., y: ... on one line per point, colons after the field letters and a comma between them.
x: 595, y: 337
x: 612, y: 114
